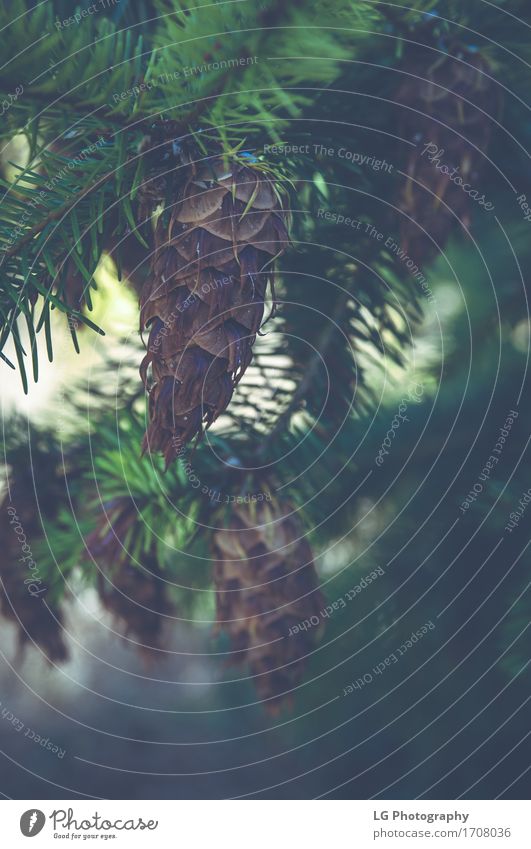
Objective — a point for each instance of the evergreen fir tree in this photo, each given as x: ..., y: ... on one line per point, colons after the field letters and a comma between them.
x: 192, y: 150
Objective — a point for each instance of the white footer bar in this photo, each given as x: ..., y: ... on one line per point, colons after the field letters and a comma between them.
x: 266, y: 824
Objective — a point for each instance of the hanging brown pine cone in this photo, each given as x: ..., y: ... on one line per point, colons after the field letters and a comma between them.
x: 444, y: 102
x: 204, y: 302
x: 266, y: 589
x: 135, y: 593
x: 22, y: 591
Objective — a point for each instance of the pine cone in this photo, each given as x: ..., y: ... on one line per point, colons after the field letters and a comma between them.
x: 204, y: 302
x: 266, y: 584
x: 134, y: 593
x: 35, y: 621
x: 446, y: 94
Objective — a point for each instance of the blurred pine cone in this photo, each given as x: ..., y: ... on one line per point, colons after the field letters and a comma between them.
x: 134, y: 593
x: 204, y: 301
x: 266, y: 584
x: 448, y: 106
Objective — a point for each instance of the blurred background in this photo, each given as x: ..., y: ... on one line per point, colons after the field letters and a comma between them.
x: 416, y: 680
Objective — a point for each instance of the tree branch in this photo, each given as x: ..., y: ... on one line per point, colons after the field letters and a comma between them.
x: 325, y: 339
